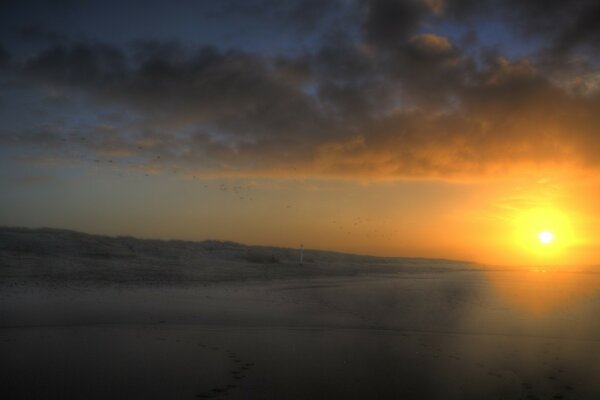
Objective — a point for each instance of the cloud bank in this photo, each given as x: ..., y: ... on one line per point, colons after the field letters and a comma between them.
x: 389, y: 90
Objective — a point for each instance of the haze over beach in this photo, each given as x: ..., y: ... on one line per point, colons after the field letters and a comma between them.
x: 298, y: 199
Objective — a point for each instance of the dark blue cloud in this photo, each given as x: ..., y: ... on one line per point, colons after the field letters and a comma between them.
x: 400, y: 88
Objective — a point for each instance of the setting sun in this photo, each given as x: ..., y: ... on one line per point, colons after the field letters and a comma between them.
x: 543, y: 235
x: 546, y: 237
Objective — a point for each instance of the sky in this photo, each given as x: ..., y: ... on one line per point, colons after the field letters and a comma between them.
x: 454, y: 129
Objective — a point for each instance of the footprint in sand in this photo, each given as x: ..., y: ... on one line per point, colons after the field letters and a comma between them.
x: 236, y: 374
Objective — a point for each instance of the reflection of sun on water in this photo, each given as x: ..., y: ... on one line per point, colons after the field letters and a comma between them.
x: 540, y: 291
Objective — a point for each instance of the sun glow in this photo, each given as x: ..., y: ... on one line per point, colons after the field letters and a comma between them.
x: 544, y: 235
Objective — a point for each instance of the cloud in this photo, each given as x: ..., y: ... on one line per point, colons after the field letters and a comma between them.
x: 4, y: 57
x: 386, y: 99
x: 388, y: 22
x: 563, y: 26
x: 38, y: 34
x: 583, y: 30
x: 568, y: 24
x: 432, y: 44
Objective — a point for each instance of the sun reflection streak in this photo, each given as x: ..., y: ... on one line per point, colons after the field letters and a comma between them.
x: 539, y: 291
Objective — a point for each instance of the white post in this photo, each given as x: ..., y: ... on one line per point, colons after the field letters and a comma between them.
x: 301, y: 253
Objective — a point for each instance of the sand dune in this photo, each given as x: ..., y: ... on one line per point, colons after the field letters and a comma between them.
x: 61, y: 255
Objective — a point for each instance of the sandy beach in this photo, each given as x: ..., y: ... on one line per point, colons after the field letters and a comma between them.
x: 391, y: 330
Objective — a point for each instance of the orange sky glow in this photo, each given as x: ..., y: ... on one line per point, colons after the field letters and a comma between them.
x: 418, y: 128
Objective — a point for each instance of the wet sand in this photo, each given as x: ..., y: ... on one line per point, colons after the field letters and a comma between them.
x: 430, y: 336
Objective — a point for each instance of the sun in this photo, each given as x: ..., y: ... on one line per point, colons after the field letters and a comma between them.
x: 546, y: 237
x: 543, y: 235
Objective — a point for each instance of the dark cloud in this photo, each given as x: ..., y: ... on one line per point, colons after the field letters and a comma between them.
x: 341, y: 59
x: 4, y: 57
x: 390, y: 97
x: 296, y: 71
x: 238, y: 96
x: 431, y: 69
x: 39, y: 34
x: 81, y: 65
x: 389, y: 23
x: 583, y: 30
x: 562, y: 25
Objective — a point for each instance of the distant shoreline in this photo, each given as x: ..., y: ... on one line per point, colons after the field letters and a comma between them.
x: 57, y: 255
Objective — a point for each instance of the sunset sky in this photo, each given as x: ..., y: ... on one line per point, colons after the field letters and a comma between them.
x: 457, y: 129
